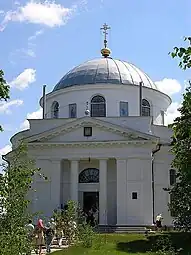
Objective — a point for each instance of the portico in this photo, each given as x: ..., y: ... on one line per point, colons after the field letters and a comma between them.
x: 114, y: 177
x: 118, y: 183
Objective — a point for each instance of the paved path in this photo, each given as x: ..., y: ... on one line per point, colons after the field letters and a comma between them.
x: 52, y: 250
x: 44, y: 251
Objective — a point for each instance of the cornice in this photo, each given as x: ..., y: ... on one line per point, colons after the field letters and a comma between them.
x: 94, y: 144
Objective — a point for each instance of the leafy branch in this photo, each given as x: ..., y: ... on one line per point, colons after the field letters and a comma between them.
x: 184, y: 54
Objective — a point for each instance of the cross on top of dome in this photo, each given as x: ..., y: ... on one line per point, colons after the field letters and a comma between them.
x: 105, y: 51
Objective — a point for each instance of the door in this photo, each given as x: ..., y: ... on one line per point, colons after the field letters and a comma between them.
x: 90, y: 201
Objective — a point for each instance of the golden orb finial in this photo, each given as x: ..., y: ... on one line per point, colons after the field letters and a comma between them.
x: 105, y: 51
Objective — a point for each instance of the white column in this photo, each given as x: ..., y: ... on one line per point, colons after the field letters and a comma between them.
x: 121, y: 192
x: 147, y: 197
x: 74, y: 172
x: 103, y: 191
x: 55, y: 184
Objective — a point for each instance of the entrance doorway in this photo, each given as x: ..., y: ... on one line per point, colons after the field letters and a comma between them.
x: 90, y: 201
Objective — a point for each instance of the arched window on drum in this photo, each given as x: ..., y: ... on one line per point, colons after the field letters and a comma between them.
x: 146, y: 108
x: 55, y: 110
x: 98, y: 106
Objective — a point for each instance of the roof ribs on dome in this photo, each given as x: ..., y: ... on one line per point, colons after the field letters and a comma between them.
x: 106, y: 71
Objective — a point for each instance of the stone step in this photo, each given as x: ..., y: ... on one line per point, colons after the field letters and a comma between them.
x: 121, y: 229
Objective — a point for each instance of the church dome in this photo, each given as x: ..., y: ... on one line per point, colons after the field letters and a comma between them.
x: 105, y: 71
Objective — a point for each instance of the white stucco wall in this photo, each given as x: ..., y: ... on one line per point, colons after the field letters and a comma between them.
x: 162, y: 166
x: 128, y: 168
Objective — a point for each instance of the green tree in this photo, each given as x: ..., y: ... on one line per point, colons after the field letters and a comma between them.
x: 4, y: 89
x: 180, y: 205
x: 15, y: 183
x: 184, y: 54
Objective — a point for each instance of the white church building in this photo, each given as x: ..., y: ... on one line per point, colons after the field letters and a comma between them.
x: 103, y: 143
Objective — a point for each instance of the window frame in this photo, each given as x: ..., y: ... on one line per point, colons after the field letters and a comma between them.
x: 55, y: 110
x: 85, y: 172
x: 162, y: 116
x: 146, y: 108
x: 86, y: 128
x: 69, y: 108
x: 134, y: 195
x: 172, y: 177
x: 100, y: 105
x: 120, y: 108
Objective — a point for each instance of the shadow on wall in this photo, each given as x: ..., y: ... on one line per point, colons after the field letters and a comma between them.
x: 179, y: 242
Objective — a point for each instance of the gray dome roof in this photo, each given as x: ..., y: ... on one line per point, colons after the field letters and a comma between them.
x: 107, y: 71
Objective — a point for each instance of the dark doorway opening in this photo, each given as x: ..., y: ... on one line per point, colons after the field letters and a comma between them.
x: 91, y: 201
x: 91, y: 207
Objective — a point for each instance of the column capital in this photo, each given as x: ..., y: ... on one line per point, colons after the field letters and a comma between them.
x: 103, y: 160
x: 55, y: 161
x: 74, y: 160
x: 142, y: 157
x: 121, y: 159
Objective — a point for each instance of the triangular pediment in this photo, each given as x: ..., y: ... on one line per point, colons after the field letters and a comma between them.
x: 104, y: 131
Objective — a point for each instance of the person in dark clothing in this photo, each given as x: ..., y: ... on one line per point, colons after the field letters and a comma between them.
x: 49, y: 234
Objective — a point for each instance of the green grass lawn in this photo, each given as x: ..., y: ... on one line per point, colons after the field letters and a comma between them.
x: 118, y: 244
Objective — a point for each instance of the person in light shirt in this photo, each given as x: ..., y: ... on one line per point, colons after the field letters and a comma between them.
x: 159, y: 219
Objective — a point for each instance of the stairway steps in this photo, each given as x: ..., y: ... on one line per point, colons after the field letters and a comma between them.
x: 121, y: 229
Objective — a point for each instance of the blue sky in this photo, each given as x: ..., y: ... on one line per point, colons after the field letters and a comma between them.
x: 42, y: 40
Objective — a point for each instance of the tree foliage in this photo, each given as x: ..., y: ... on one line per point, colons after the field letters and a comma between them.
x: 184, y: 54
x: 4, y: 89
x: 15, y: 183
x: 180, y: 205
x: 72, y: 222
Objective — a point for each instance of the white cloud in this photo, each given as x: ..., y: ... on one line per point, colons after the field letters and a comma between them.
x: 169, y: 86
x: 4, y: 151
x: 5, y: 106
x: 32, y: 115
x: 172, y: 112
x: 24, y: 79
x: 29, y: 50
x: 46, y: 13
x: 36, y: 34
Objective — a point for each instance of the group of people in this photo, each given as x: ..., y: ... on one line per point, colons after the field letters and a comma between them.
x: 92, y: 216
x: 42, y: 234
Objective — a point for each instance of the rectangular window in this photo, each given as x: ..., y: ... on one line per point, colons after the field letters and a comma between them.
x: 172, y: 176
x: 162, y: 116
x: 72, y: 110
x: 124, y: 111
x: 134, y: 195
x: 87, y: 131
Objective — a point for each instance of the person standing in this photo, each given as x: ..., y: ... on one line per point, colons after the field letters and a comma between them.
x: 49, y: 235
x: 159, y: 219
x: 53, y: 226
x: 39, y: 235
